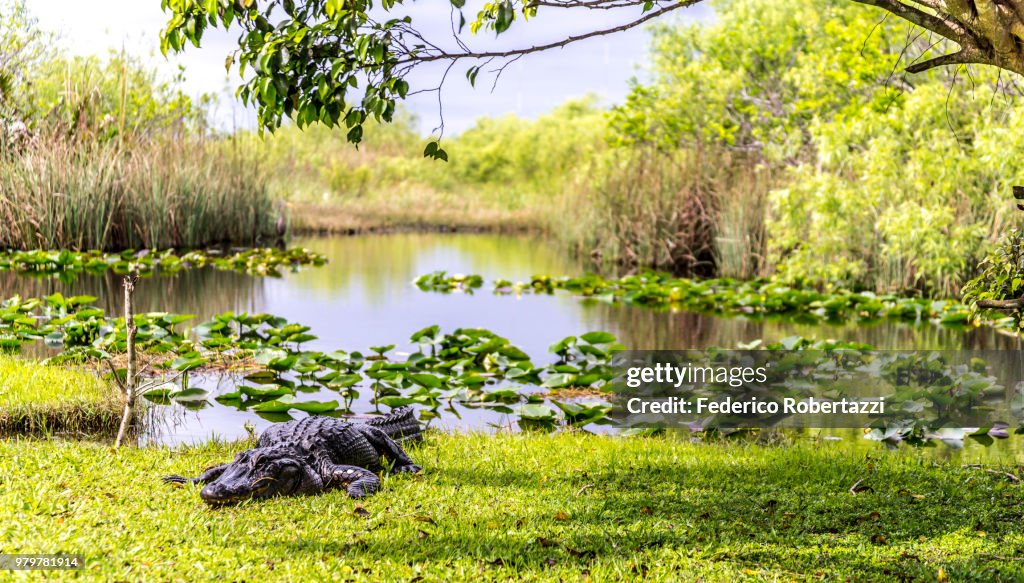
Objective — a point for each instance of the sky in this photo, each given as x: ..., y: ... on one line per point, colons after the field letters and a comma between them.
x: 529, y: 87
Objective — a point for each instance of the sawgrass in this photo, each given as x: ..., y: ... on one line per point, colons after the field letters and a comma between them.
x: 40, y: 399
x: 531, y: 507
x: 155, y: 192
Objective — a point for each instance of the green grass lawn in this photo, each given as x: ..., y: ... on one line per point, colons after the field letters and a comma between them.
x: 568, y: 506
x: 50, y: 399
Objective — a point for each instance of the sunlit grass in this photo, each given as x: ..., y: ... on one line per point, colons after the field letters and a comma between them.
x: 563, y: 507
x: 417, y: 209
x: 35, y: 398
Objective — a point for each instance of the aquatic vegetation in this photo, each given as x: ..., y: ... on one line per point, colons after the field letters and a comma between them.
x: 263, y: 261
x: 442, y: 282
x: 728, y: 296
x: 476, y: 367
x: 929, y: 395
x: 472, y: 367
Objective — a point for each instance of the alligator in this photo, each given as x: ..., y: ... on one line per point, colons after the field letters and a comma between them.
x: 311, y: 455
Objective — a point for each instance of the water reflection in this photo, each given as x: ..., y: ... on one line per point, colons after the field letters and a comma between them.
x: 645, y: 329
x: 364, y: 297
x: 203, y: 292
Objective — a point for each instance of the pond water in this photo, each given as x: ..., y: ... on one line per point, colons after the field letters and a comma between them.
x: 364, y: 296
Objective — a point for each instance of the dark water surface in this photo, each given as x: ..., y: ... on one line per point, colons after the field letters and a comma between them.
x: 365, y: 297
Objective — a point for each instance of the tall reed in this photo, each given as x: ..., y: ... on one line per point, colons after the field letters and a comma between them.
x: 164, y: 190
x: 695, y: 211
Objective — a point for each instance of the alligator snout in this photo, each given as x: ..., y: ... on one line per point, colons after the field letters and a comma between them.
x: 218, y: 494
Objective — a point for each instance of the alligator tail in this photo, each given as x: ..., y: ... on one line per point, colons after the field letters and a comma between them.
x: 400, y: 425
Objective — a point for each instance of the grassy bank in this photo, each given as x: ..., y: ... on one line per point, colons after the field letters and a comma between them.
x: 535, y: 507
x: 40, y: 399
x: 422, y: 211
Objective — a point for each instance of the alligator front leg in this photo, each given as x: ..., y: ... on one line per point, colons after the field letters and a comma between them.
x: 359, y: 482
x: 207, y: 476
x: 387, y: 447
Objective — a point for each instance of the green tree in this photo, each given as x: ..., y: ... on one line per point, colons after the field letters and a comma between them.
x: 23, y: 47
x: 901, y: 179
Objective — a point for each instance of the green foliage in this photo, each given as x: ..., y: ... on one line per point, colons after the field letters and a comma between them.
x: 743, y: 92
x: 759, y: 75
x: 475, y: 367
x: 901, y: 199
x: 505, y: 173
x: 506, y: 157
x: 696, y: 211
x: 23, y: 48
x: 156, y: 191
x: 1000, y: 275
x: 898, y: 178
x: 112, y: 157
x: 498, y: 152
x: 101, y: 99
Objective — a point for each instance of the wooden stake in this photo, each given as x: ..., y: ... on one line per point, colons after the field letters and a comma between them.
x: 130, y: 377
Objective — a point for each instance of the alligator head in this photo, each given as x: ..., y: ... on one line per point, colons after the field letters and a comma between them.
x: 262, y: 472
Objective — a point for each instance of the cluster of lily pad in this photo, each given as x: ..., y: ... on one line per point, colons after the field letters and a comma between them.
x: 470, y: 366
x: 930, y: 389
x: 719, y: 296
x: 263, y: 261
x: 474, y: 367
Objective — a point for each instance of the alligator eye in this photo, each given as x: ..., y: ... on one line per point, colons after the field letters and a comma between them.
x: 262, y: 485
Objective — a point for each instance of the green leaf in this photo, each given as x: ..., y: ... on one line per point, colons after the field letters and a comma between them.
x: 428, y: 332
x: 189, y: 395
x: 394, y: 402
x: 598, y: 338
x: 426, y: 380
x: 263, y: 376
x: 503, y: 20
x: 315, y: 407
x: 559, y: 380
x: 536, y: 411
x: 280, y: 405
x: 264, y: 393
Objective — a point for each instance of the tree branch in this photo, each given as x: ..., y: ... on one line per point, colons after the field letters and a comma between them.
x: 1014, y: 304
x: 957, y: 58
x: 948, y: 28
x: 988, y: 32
x: 444, y: 55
